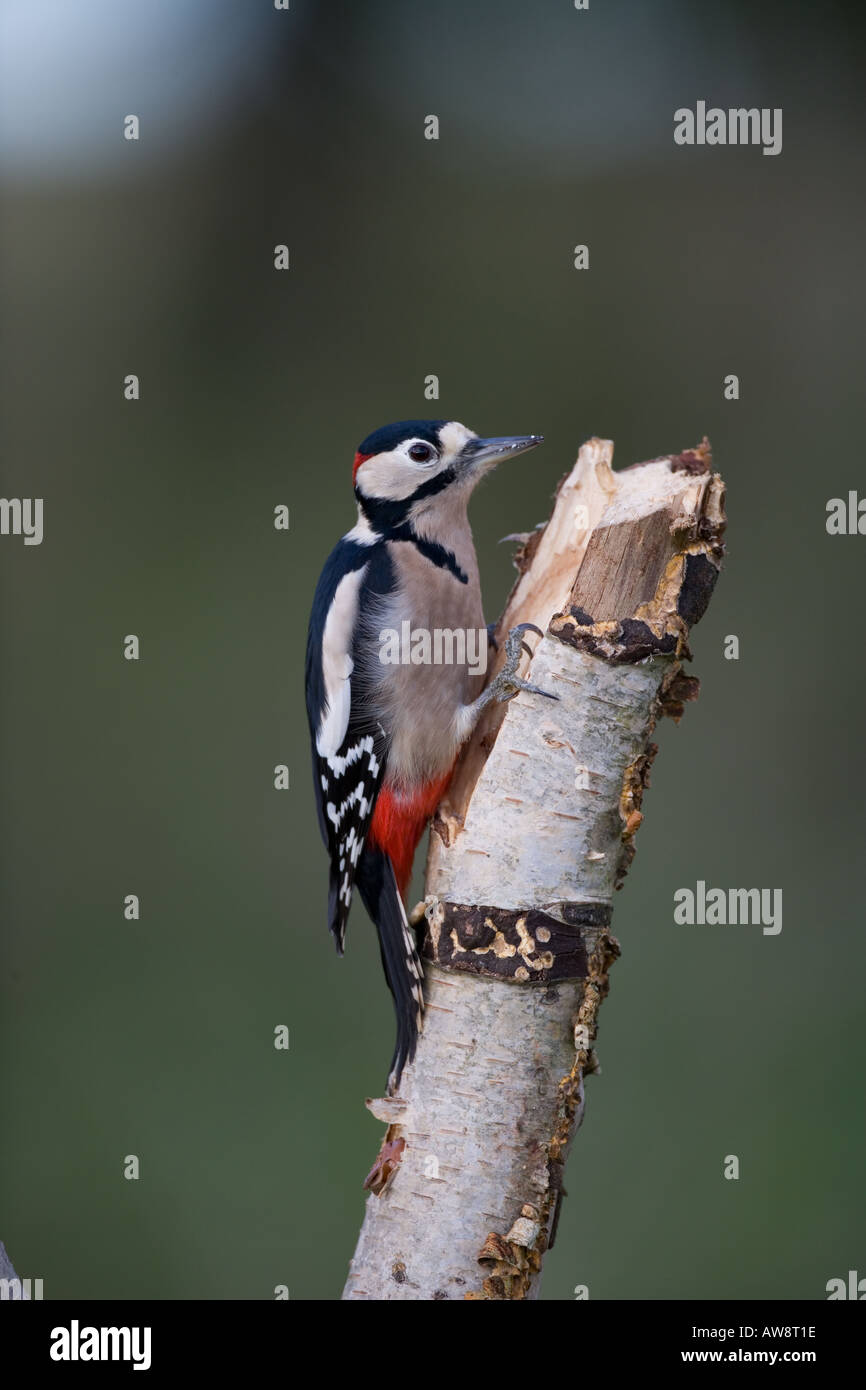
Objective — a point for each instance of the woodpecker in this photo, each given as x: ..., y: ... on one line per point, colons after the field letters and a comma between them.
x: 385, y: 736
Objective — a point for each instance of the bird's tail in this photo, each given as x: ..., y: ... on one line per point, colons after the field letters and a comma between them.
x: 378, y: 888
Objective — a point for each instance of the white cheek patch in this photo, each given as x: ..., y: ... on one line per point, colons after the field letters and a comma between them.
x: 390, y: 476
x: 337, y: 663
x: 394, y: 476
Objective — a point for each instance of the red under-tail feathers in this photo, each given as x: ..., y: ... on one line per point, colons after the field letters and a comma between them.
x: 399, y: 821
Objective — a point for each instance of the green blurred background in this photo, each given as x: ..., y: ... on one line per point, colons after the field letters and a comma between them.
x: 411, y: 257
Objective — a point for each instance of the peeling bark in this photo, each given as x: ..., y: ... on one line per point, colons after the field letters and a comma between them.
x: 534, y: 836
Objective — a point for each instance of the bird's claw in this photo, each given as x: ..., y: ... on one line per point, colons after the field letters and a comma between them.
x: 512, y: 639
x: 507, y: 683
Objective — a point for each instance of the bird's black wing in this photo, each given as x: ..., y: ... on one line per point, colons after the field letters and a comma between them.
x: 349, y: 747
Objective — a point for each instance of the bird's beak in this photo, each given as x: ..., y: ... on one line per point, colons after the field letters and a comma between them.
x: 481, y: 454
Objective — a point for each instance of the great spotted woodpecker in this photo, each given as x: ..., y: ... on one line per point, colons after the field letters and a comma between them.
x: 385, y: 736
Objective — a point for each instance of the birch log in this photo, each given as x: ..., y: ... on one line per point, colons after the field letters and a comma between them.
x: 533, y: 839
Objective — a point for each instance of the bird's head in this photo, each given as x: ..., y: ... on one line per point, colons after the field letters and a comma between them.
x: 400, y: 467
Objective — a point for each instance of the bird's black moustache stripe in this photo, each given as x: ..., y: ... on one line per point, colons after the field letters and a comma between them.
x: 385, y: 513
x: 431, y: 550
x: 389, y: 519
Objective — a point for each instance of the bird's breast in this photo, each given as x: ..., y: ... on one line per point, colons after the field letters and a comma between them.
x: 426, y: 656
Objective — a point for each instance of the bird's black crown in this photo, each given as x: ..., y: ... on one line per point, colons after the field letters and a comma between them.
x: 383, y: 440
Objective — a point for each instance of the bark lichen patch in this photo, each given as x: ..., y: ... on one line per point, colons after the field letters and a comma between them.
x: 636, y: 779
x: 510, y: 1265
x: 676, y: 691
x: 518, y: 944
x: 620, y: 642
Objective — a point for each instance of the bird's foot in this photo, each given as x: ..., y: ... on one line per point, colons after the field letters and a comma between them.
x: 507, y: 683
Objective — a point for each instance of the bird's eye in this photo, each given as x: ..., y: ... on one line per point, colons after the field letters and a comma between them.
x: 421, y: 453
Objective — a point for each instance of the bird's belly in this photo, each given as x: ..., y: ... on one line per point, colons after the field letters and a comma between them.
x: 423, y: 742
x: 422, y: 677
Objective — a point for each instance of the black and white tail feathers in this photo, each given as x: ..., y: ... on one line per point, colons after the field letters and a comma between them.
x: 379, y: 893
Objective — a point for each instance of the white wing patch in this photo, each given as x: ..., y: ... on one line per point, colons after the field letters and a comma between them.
x: 337, y: 663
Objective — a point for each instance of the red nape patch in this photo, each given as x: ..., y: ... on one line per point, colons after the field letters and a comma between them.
x: 359, y: 459
x: 399, y: 821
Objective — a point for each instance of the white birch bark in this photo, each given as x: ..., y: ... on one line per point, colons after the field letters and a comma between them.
x: 539, y: 820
